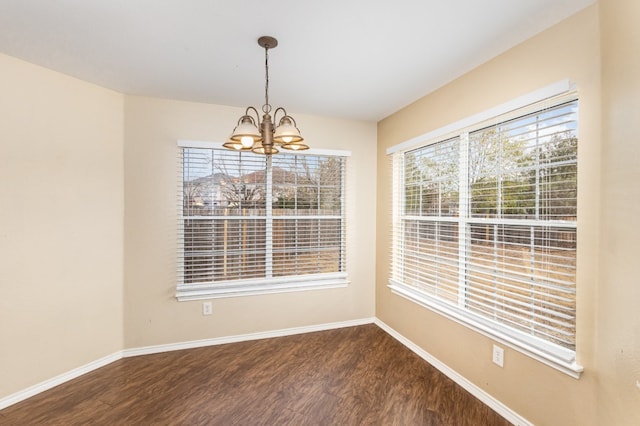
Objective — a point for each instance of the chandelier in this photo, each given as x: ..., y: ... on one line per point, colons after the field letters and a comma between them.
x: 251, y: 134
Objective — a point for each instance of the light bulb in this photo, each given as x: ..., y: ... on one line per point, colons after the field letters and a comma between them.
x: 246, y: 141
x: 287, y: 139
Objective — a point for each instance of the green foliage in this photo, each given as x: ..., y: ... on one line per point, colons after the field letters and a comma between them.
x: 431, y: 180
x: 508, y: 176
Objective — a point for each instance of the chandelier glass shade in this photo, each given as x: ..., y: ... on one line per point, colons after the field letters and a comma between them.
x: 261, y: 136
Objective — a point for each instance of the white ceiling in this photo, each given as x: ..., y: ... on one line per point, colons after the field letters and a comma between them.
x: 358, y: 59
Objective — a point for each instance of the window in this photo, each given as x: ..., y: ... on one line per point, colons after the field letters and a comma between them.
x: 250, y: 224
x: 485, y: 229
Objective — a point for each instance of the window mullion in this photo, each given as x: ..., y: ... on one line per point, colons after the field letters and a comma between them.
x: 463, y: 213
x: 499, y: 176
x: 343, y: 190
x: 537, y: 165
x: 296, y: 222
x: 269, y: 219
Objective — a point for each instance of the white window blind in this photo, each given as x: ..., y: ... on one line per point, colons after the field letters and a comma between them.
x: 485, y: 230
x: 250, y: 224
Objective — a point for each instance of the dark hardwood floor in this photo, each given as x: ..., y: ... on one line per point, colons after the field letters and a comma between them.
x: 349, y: 376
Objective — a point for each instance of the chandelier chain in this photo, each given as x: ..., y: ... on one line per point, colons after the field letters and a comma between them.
x: 266, y: 108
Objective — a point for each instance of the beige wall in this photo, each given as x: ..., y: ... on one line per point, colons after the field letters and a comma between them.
x: 539, y: 393
x: 61, y: 224
x: 618, y: 329
x: 152, y: 314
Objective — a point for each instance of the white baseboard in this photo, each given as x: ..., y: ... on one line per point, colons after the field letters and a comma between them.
x: 58, y: 380
x: 77, y: 372
x: 474, y: 390
x: 147, y: 350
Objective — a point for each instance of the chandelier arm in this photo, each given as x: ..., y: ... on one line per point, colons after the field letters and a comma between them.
x: 284, y: 111
x: 250, y: 108
x: 275, y: 114
x: 292, y: 119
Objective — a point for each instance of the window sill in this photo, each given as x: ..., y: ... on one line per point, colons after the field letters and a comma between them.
x: 560, y: 358
x: 255, y: 287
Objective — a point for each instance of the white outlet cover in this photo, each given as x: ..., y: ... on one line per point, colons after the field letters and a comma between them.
x: 498, y: 356
x: 207, y: 308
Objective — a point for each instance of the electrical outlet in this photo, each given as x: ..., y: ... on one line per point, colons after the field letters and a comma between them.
x: 498, y: 356
x: 207, y: 308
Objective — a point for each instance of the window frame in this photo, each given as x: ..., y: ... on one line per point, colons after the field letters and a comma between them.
x: 556, y: 356
x: 262, y: 285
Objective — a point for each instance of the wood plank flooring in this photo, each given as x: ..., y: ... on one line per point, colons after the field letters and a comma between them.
x: 349, y: 376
